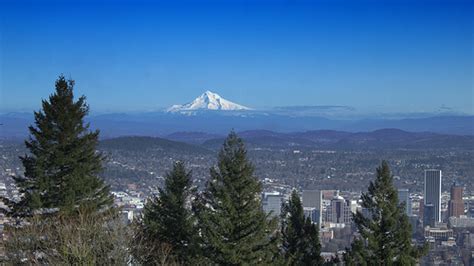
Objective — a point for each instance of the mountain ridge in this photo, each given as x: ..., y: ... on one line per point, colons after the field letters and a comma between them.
x: 216, y: 122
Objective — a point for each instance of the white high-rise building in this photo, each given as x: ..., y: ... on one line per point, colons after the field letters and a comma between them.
x: 433, y: 192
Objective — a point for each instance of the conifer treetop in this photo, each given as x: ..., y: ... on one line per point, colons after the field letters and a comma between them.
x: 62, y: 166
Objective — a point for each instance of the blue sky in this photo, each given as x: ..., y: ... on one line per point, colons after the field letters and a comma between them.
x: 142, y: 55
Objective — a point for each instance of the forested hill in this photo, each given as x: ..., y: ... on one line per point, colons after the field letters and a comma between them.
x: 139, y: 143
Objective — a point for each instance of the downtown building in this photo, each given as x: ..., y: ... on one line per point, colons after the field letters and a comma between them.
x: 456, y: 204
x: 432, y: 195
x: 312, y: 205
x: 429, y: 217
x: 404, y: 198
x: 339, y: 211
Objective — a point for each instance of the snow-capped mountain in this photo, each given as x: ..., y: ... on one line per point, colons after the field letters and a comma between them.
x: 208, y: 101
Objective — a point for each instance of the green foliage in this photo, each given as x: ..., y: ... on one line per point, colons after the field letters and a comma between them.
x: 62, y: 168
x: 311, y: 245
x: 300, y: 237
x: 385, y: 236
x: 167, y: 221
x: 234, y: 228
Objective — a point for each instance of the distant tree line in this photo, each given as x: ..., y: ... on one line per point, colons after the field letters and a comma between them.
x: 66, y: 213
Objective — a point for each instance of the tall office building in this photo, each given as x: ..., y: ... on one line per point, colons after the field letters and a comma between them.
x: 456, y: 204
x: 312, y: 200
x: 429, y: 215
x: 404, y: 198
x: 313, y: 214
x: 433, y: 191
x: 339, y: 211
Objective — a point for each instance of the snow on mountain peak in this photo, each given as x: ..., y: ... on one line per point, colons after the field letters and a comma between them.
x: 208, y: 101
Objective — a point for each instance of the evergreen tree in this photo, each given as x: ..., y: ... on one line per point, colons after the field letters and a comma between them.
x: 385, y: 234
x: 300, y: 236
x: 234, y: 228
x: 61, y: 170
x: 167, y: 220
x: 311, y: 246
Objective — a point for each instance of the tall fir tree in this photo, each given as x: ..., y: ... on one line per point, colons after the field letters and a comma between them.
x: 300, y: 237
x: 234, y: 228
x: 385, y: 234
x: 168, y: 220
x: 312, y: 245
x: 61, y: 170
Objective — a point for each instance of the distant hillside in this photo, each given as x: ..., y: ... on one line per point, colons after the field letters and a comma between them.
x: 322, y: 136
x: 137, y: 143
x: 459, y: 125
x: 263, y: 138
x: 15, y: 125
x: 378, y: 139
x: 192, y: 137
x: 395, y: 138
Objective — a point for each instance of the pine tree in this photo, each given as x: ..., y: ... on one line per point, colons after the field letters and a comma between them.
x: 167, y: 218
x: 385, y: 234
x: 300, y: 237
x: 61, y: 170
x: 312, y: 246
x: 235, y: 230
x: 292, y: 224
